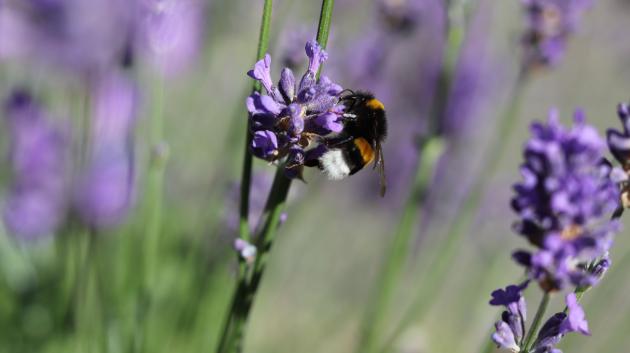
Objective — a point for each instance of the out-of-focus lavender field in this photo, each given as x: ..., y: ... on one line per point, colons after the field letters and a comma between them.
x: 122, y: 136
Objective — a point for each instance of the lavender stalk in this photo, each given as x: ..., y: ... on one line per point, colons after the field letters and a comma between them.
x: 447, y: 250
x: 248, y: 282
x: 374, y: 320
x: 246, y: 178
x: 540, y: 312
x: 432, y: 149
x: 232, y: 327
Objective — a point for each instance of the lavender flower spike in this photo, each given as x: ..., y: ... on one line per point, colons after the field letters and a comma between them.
x: 105, y: 194
x: 289, y: 121
x: 550, y: 23
x: 173, y: 33
x: 84, y: 37
x: 36, y: 203
x: 564, y: 203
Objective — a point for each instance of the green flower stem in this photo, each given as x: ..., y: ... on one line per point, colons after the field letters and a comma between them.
x: 374, y: 321
x: 249, y: 281
x: 90, y: 337
x: 234, y: 321
x: 456, y: 30
x: 533, y: 329
x: 155, y: 183
x: 246, y: 178
x: 233, y: 332
x: 443, y: 256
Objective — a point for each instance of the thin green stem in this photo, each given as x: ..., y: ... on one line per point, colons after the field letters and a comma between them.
x: 89, y: 312
x: 155, y: 182
x: 533, y: 329
x: 374, y: 320
x: 443, y: 256
x: 456, y: 29
x: 242, y: 301
x: 325, y: 18
x: 246, y: 177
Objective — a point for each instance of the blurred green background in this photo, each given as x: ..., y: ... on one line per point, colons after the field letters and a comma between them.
x: 329, y: 250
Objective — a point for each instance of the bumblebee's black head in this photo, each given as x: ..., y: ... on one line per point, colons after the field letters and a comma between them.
x: 367, y: 115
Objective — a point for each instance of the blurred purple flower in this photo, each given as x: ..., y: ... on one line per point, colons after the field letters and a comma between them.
x: 292, y: 47
x: 287, y: 121
x: 105, y: 194
x: 36, y: 202
x: 172, y: 32
x: 564, y: 202
x: 400, y: 16
x: 475, y: 76
x: 550, y: 23
x: 80, y: 36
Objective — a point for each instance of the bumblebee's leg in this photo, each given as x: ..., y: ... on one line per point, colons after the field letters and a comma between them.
x: 333, y: 143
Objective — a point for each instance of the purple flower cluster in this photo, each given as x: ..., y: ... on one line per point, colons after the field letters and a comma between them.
x: 41, y: 195
x: 401, y: 16
x: 36, y: 202
x: 549, y: 25
x: 291, y: 118
x: 510, y: 331
x: 80, y: 36
x: 564, y: 203
x: 171, y: 33
x: 91, y: 37
x: 105, y: 191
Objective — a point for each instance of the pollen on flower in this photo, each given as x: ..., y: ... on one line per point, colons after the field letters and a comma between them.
x: 571, y: 232
x: 564, y: 203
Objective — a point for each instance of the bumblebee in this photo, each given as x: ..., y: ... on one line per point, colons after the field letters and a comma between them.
x: 359, y: 143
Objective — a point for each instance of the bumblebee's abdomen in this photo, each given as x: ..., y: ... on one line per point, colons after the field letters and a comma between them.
x: 348, y: 159
x: 361, y: 154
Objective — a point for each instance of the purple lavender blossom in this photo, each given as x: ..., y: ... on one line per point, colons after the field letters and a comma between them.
x: 105, y: 193
x: 246, y: 251
x: 550, y: 23
x: 79, y: 36
x: 510, y: 329
x: 559, y: 325
x: 172, y: 32
x: 619, y: 146
x: 290, y: 119
x: 564, y: 202
x: 36, y: 202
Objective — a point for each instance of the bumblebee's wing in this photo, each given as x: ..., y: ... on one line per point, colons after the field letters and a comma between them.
x: 380, y: 164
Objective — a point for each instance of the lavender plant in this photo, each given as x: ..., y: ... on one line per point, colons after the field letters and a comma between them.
x: 99, y: 120
x: 564, y: 205
x: 566, y: 19
x: 314, y: 93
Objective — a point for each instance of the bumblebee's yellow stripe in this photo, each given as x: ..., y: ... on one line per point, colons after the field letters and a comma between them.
x: 366, y: 150
x: 375, y: 104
